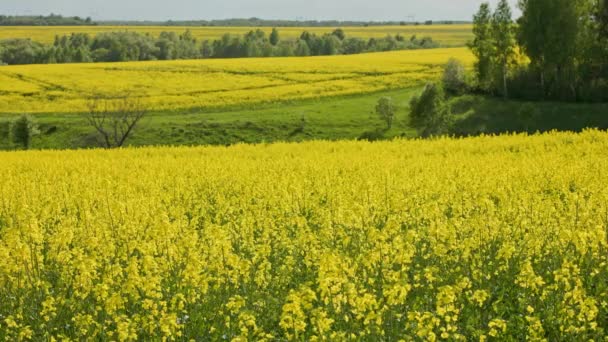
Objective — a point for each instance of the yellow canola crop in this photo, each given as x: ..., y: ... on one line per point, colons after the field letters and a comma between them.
x: 489, y: 238
x: 209, y: 84
x: 447, y: 35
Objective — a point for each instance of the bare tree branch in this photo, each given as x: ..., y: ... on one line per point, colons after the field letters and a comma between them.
x: 115, y: 119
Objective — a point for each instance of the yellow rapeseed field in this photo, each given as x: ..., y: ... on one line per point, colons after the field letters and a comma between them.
x: 204, y: 84
x: 480, y: 239
x: 447, y: 35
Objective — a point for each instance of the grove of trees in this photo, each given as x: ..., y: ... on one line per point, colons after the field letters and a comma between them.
x: 133, y: 46
x: 557, y: 50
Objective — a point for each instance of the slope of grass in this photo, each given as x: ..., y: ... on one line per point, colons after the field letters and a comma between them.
x: 339, y: 118
x: 478, y: 114
x: 327, y: 119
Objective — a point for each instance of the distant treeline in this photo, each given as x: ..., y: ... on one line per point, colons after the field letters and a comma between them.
x: 50, y: 20
x: 257, y: 22
x: 58, y: 20
x: 133, y: 46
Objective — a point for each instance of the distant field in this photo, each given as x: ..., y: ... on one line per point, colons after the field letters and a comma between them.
x: 447, y: 35
x: 212, y: 84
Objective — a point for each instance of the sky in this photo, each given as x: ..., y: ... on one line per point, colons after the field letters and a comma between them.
x: 161, y: 10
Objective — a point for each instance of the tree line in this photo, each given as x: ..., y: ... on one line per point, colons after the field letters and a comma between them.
x: 257, y: 22
x: 133, y: 46
x: 40, y: 20
x: 58, y: 20
x: 557, y: 50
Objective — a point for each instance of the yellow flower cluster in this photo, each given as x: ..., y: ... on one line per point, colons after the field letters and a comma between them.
x: 487, y: 238
x: 212, y: 84
x: 451, y: 35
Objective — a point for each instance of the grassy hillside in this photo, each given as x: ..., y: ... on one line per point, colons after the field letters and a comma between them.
x: 487, y: 115
x: 447, y: 35
x: 337, y: 118
x: 330, y: 118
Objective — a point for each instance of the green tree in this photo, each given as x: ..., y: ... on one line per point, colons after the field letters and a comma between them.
x: 331, y: 45
x: 286, y: 49
x: 549, y: 33
x: 482, y: 46
x: 22, y: 131
x: 602, y: 33
x: 274, y: 37
x: 353, y: 45
x: 602, y: 16
x: 503, y: 38
x: 339, y: 33
x: 302, y: 48
x: 386, y: 111
x: 22, y: 51
x: 82, y: 55
x: 207, y: 49
x: 429, y: 113
x: 454, y: 77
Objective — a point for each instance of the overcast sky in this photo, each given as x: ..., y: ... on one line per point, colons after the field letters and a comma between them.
x: 267, y: 9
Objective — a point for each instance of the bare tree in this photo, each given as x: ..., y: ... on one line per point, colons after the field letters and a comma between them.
x: 115, y: 118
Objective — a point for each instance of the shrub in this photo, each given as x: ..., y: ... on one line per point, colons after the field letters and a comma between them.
x: 5, y: 128
x: 375, y: 135
x: 301, y: 126
x: 454, y: 77
x: 429, y: 113
x: 22, y: 131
